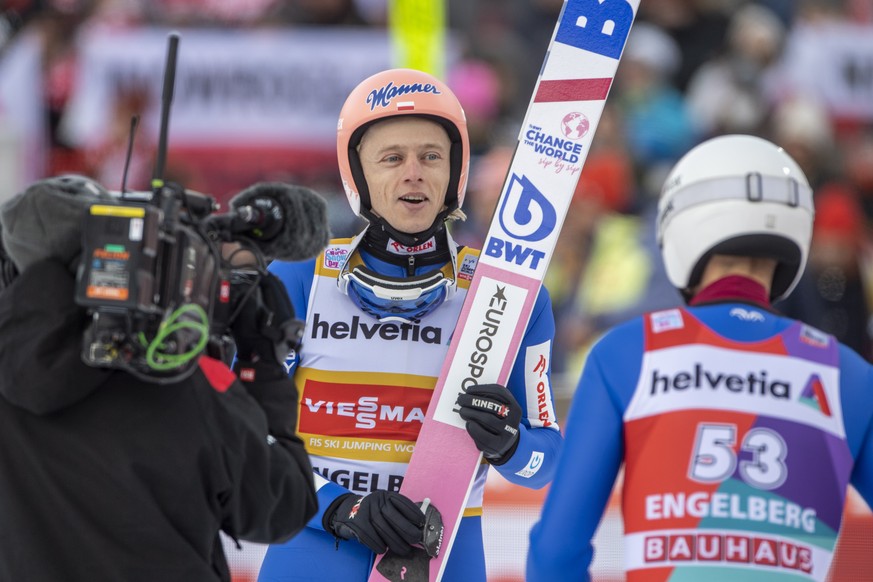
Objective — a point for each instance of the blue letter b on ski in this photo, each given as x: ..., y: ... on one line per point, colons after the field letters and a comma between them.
x: 599, y: 27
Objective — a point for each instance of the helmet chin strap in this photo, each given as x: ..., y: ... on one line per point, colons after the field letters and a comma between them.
x: 406, y: 238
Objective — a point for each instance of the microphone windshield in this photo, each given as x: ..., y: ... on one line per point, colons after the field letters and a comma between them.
x: 304, y: 232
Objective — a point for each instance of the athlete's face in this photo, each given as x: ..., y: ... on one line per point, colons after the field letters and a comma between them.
x: 406, y: 165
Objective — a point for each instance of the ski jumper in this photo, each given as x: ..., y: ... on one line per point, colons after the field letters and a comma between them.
x: 365, y: 386
x: 739, y: 431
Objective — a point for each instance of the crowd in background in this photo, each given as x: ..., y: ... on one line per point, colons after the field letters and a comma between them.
x: 692, y: 69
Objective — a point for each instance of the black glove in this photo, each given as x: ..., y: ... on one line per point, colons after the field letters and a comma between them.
x: 493, y: 416
x: 382, y: 520
x: 264, y: 327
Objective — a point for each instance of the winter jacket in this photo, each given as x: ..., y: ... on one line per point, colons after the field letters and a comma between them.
x: 104, y: 476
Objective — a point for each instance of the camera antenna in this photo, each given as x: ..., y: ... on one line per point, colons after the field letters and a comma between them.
x: 134, y: 122
x: 166, y: 101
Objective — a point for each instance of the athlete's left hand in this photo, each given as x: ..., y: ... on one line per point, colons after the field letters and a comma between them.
x: 493, y: 416
x: 265, y: 328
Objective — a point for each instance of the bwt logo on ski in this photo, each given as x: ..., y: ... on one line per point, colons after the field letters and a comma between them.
x: 599, y: 26
x: 489, y: 327
x: 699, y: 378
x: 383, y: 96
x: 526, y: 215
x: 566, y: 150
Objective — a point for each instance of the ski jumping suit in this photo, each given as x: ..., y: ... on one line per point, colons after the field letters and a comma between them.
x: 739, y: 430
x: 364, y: 390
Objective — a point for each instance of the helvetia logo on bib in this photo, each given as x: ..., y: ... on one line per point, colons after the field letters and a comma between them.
x: 698, y: 378
x: 367, y: 329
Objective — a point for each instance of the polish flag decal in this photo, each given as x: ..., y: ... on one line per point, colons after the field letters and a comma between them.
x: 405, y: 105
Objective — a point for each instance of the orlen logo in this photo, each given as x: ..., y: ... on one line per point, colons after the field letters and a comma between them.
x: 401, y: 249
x: 526, y: 215
x: 363, y: 411
x: 544, y: 401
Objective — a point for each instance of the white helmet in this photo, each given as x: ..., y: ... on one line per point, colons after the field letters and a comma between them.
x: 735, y: 195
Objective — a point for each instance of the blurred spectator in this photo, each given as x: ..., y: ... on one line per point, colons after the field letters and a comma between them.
x: 322, y: 13
x: 783, y: 9
x: 210, y: 12
x: 727, y: 95
x: 823, y: 10
x: 803, y: 128
x: 605, y: 266
x: 57, y: 27
x: 487, y: 174
x: 490, y: 30
x: 14, y: 15
x: 374, y: 12
x: 604, y: 189
x: 478, y: 87
x: 658, y: 126
x: 696, y: 26
x: 858, y: 168
x: 835, y: 293
x: 106, y: 162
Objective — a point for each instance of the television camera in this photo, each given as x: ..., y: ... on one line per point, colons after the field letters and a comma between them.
x: 158, y: 271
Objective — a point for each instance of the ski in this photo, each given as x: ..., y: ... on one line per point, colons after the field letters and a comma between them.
x: 554, y: 140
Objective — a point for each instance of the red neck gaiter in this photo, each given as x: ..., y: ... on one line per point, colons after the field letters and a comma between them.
x: 733, y: 287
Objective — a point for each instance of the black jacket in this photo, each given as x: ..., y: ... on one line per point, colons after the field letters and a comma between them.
x: 106, y: 477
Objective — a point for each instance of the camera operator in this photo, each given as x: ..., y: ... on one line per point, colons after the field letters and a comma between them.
x: 106, y: 476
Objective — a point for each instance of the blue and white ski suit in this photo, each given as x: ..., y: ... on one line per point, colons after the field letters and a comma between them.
x: 364, y: 389
x: 739, y: 431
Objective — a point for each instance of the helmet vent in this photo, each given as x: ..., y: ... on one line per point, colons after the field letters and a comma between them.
x: 754, y: 187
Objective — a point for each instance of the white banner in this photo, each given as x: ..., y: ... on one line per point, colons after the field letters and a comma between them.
x: 832, y: 62
x: 269, y: 87
x: 22, y: 118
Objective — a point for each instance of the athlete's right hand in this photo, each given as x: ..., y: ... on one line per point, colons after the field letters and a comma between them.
x: 382, y: 520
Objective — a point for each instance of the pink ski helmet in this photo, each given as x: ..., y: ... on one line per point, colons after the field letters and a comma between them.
x: 389, y: 94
